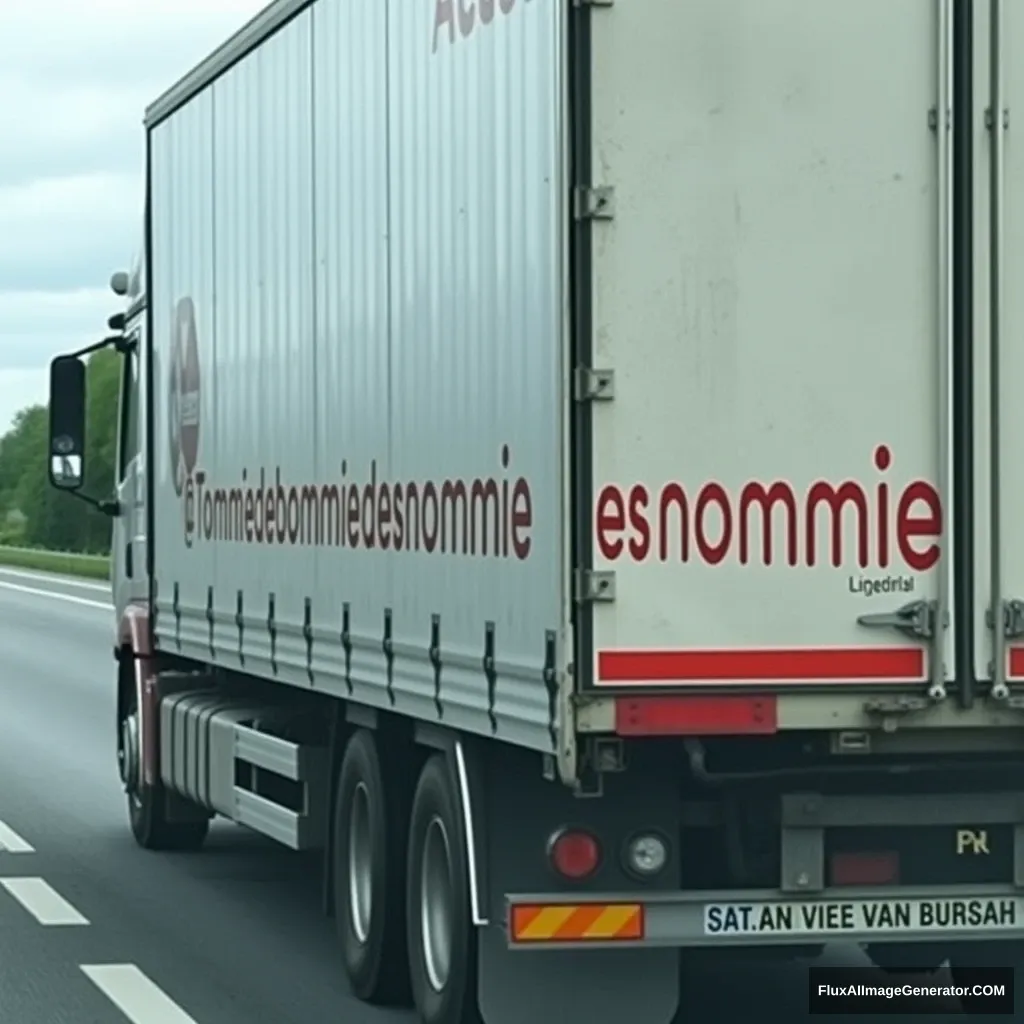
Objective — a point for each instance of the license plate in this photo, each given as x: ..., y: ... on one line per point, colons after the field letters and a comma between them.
x: 835, y: 918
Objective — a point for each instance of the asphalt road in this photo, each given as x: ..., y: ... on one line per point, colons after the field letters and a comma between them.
x: 94, y: 930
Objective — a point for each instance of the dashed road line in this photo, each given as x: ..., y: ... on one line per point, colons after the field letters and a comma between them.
x: 105, y: 605
x: 141, y: 1000
x: 11, y: 842
x: 42, y: 901
x: 63, y: 581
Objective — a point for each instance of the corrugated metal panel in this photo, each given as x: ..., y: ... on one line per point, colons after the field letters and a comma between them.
x: 181, y: 200
x: 354, y: 349
x: 264, y: 342
x: 388, y: 235
x: 251, y: 35
x: 474, y: 174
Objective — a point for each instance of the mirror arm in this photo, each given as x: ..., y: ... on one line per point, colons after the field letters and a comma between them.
x: 119, y: 342
x: 108, y: 508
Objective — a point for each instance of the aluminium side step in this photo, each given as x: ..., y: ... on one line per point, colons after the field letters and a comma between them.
x: 223, y: 754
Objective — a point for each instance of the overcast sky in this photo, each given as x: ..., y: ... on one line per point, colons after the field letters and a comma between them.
x: 75, y: 78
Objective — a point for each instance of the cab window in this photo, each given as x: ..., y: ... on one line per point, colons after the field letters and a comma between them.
x: 128, y: 434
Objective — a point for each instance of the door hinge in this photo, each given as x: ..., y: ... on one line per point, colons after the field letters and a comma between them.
x: 594, y: 202
x: 1013, y: 619
x: 916, y: 619
x: 594, y: 385
x: 593, y: 586
x: 990, y: 120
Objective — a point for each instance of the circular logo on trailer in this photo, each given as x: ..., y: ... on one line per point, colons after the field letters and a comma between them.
x: 183, y: 396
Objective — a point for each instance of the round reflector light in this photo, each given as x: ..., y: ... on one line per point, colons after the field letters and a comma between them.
x: 575, y: 854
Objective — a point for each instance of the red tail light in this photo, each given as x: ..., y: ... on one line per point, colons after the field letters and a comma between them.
x: 574, y: 854
x: 865, y: 868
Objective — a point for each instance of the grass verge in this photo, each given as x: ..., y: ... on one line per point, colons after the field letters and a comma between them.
x: 66, y: 563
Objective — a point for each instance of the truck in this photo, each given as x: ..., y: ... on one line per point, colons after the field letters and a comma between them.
x: 567, y: 473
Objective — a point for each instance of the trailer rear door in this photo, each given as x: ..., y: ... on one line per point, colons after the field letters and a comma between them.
x: 769, y: 288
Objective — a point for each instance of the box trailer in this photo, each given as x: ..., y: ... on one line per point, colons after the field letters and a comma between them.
x: 569, y: 473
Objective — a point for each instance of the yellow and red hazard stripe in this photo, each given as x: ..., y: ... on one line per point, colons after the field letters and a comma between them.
x: 576, y: 922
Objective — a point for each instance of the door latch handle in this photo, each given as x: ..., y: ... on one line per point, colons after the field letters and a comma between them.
x: 916, y: 619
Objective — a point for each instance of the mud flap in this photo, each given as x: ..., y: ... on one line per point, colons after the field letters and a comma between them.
x: 600, y: 987
x: 521, y: 810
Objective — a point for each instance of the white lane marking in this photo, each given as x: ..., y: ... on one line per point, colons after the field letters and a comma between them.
x: 105, y: 605
x: 42, y: 901
x: 11, y: 842
x: 64, y: 581
x: 142, y: 1001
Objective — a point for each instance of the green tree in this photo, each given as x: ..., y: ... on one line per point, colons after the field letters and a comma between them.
x: 52, y: 519
x: 19, y: 447
x: 103, y: 383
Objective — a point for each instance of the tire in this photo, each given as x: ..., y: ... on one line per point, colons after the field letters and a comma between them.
x: 435, y: 838
x: 371, y: 821
x: 147, y: 805
x: 153, y: 831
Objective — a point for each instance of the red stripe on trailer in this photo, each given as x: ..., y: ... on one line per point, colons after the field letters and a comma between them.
x: 696, y: 716
x: 803, y: 665
x: 1016, y: 668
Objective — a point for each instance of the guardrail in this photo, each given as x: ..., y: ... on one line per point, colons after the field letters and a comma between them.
x: 66, y: 563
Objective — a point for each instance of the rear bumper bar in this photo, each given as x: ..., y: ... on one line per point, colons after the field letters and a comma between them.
x: 803, y: 910
x: 766, y: 917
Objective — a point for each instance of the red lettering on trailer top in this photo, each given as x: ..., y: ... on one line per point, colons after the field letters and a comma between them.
x: 709, y: 523
x: 489, y: 517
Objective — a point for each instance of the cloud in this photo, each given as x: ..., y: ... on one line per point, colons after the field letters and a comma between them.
x: 18, y: 390
x: 68, y: 233
x: 40, y: 325
x: 76, y: 78
x: 64, y: 129
x: 111, y: 43
x: 36, y: 326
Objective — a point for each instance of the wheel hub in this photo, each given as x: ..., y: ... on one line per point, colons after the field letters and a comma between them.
x: 436, y: 894
x: 128, y: 753
x: 360, y: 864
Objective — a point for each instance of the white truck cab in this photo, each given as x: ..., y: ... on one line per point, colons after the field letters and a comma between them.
x: 128, y: 563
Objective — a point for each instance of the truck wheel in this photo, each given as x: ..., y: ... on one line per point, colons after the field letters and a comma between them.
x: 442, y: 936
x: 371, y: 820
x: 147, y: 804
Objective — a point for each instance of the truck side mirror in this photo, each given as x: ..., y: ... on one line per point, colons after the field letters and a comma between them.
x: 67, y: 423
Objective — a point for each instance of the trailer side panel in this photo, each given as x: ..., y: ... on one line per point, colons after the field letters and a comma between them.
x: 357, y: 246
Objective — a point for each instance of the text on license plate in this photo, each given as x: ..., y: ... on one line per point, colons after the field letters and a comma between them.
x: 839, y: 917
